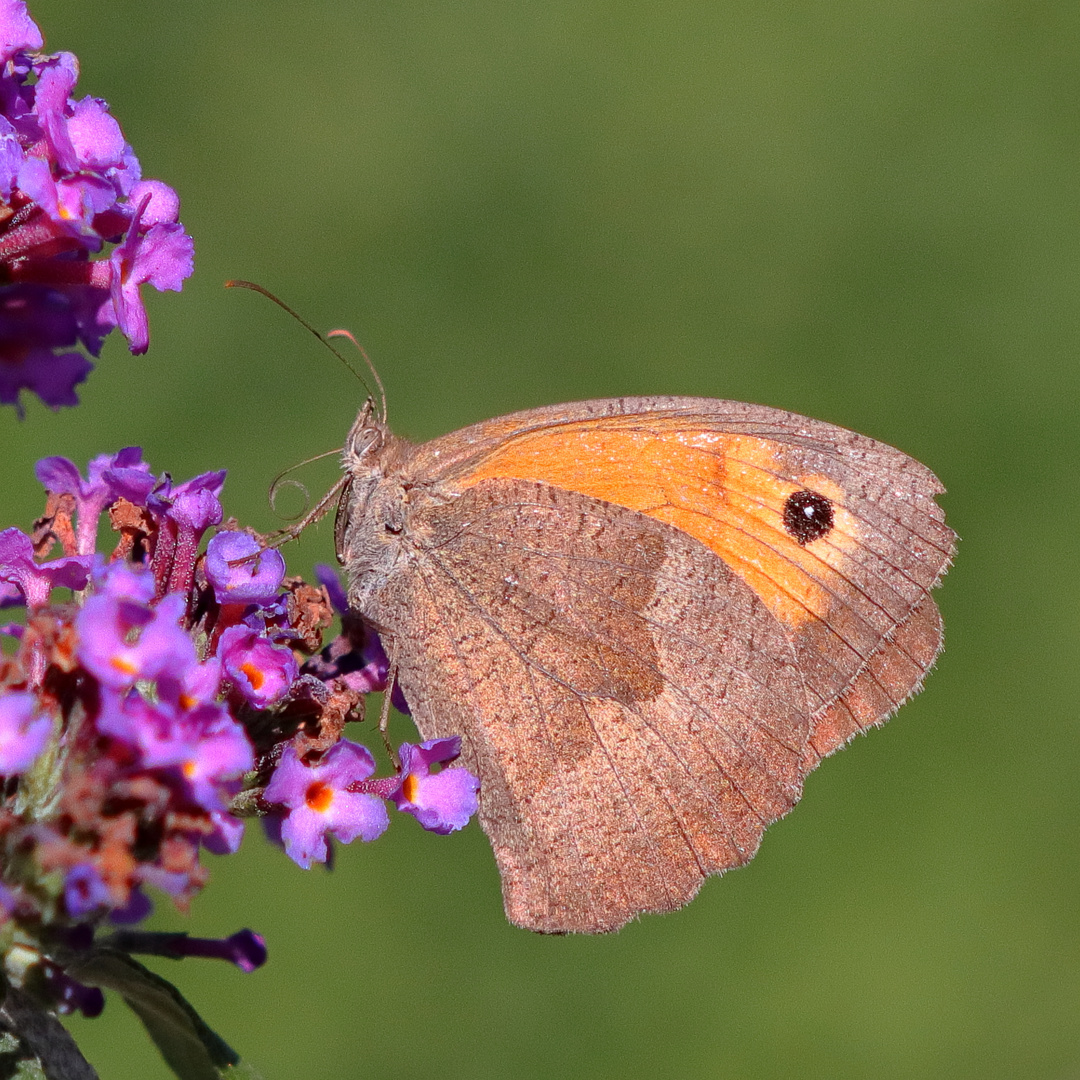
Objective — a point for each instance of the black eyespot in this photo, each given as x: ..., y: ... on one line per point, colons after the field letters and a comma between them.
x: 807, y: 516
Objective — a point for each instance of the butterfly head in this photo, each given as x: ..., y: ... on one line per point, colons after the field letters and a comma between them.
x: 369, y: 515
x: 364, y: 443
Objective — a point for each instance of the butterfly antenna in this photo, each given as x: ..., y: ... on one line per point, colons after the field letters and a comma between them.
x: 281, y: 478
x: 275, y: 540
x: 236, y: 283
x: 367, y: 360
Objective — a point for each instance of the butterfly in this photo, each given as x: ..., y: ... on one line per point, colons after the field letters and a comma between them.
x: 647, y: 619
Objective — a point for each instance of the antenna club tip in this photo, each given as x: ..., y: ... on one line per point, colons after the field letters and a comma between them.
x: 342, y: 333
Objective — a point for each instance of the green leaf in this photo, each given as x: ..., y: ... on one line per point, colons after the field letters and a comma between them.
x: 29, y: 1070
x: 189, y: 1047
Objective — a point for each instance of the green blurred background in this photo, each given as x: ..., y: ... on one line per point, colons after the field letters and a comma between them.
x: 867, y: 212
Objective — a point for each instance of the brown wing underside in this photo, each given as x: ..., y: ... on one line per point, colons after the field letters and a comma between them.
x: 635, y: 711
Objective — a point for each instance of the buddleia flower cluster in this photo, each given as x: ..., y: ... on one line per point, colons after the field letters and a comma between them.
x: 80, y: 229
x: 158, y: 694
x: 154, y: 698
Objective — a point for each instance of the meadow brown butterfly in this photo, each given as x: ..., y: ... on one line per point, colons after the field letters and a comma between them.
x: 648, y: 619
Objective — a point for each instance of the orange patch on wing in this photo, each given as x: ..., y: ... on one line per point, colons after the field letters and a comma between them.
x: 724, y: 490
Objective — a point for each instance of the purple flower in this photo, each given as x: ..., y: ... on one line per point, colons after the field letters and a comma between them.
x: 163, y: 205
x: 163, y: 256
x: 227, y: 833
x: 208, y: 749
x: 22, y: 734
x: 84, y: 890
x: 189, y: 686
x: 205, y: 749
x: 195, y: 511
x: 18, y: 32
x: 329, y: 580
x: 245, y: 948
x: 174, y: 882
x: 356, y: 656
x: 193, y: 505
x: 71, y: 995
x: 261, y: 671
x: 254, y: 581
x: 98, y: 142
x: 318, y: 801
x: 72, y: 185
x: 57, y: 76
x: 109, y: 477
x: 129, y: 717
x: 183, y: 514
x: 166, y: 493
x: 122, y: 641
x: 138, y: 907
x: 123, y: 581
x: 442, y: 801
x: 125, y: 473
x: 72, y: 204
x: 35, y: 322
x: 37, y: 580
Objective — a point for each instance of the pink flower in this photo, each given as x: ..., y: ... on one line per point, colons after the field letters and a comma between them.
x: 318, y: 801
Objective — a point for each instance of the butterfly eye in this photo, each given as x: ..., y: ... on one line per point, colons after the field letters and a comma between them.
x: 364, y: 442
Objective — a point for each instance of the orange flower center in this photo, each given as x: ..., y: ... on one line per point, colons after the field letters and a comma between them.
x: 255, y: 675
x: 319, y: 797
